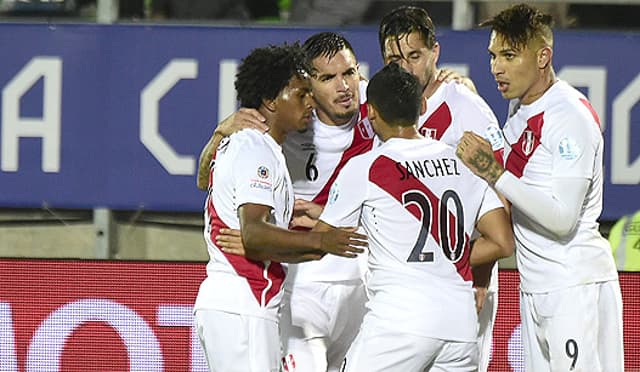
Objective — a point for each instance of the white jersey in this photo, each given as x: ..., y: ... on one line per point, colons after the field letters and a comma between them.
x: 453, y: 109
x: 249, y: 168
x: 418, y: 204
x: 557, y: 136
x: 314, y: 158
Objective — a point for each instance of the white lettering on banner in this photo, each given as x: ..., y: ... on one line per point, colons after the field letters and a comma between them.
x: 622, y: 170
x: 150, y: 96
x: 227, y: 98
x: 48, y: 127
x: 594, y: 78
x: 182, y: 316
x: 8, y: 362
x: 45, y: 349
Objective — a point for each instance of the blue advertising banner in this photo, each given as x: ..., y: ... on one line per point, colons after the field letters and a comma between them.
x: 115, y: 116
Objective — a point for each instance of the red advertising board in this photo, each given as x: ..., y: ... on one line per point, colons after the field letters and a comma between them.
x: 75, y: 316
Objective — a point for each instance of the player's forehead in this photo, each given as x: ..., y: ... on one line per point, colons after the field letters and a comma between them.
x: 407, y: 43
x: 340, y: 62
x: 299, y: 82
x: 498, y: 43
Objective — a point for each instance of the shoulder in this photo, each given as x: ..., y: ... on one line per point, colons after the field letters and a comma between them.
x: 569, y: 108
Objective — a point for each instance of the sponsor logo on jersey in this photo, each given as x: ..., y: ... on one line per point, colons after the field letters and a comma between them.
x: 494, y: 136
x: 259, y: 184
x: 333, y: 193
x: 568, y: 149
x: 527, y: 144
x: 263, y: 172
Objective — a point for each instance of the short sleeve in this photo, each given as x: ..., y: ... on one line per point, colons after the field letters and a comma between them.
x: 490, y: 201
x: 256, y: 172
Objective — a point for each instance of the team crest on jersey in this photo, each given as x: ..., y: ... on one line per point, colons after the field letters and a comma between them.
x: 529, y: 141
x: 429, y: 132
x: 263, y: 172
x: 365, y: 129
x: 568, y: 149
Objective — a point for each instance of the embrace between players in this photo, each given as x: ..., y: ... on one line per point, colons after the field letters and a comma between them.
x: 438, y: 192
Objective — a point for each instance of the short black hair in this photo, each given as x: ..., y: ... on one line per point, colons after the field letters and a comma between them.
x: 325, y: 44
x: 396, y: 95
x: 520, y: 24
x: 404, y: 20
x: 266, y: 71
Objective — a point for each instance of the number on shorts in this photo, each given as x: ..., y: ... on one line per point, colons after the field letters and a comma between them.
x: 442, y: 222
x: 571, y: 347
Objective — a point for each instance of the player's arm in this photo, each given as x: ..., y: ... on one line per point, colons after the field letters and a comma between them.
x: 305, y: 214
x: 243, y: 118
x: 557, y: 212
x: 496, y: 241
x: 265, y: 241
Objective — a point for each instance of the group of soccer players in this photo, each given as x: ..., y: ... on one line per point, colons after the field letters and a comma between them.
x: 422, y: 167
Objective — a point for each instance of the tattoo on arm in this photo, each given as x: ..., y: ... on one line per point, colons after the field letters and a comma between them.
x: 486, y: 166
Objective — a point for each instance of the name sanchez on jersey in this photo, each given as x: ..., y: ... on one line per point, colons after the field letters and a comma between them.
x: 428, y: 168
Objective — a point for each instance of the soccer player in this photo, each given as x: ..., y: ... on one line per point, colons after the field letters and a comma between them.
x: 407, y: 37
x: 570, y: 301
x: 419, y: 205
x: 325, y: 299
x: 250, y: 190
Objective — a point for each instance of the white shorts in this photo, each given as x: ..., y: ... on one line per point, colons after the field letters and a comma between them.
x: 381, y: 349
x: 238, y: 343
x: 319, y: 321
x: 574, y: 329
x: 486, y: 320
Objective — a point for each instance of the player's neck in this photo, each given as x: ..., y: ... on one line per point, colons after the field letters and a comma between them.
x: 547, y: 79
x: 431, y: 86
x: 275, y: 132
x: 410, y: 132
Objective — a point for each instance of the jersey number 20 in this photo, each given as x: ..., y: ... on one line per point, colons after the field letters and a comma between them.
x: 437, y: 220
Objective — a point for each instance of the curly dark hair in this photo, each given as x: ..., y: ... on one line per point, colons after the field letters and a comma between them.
x: 521, y: 24
x: 266, y: 71
x: 396, y: 94
x: 404, y: 20
x: 325, y: 44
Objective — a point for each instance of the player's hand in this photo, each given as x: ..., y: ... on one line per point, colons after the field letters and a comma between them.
x: 241, y: 119
x: 305, y: 213
x: 344, y: 242
x: 447, y: 76
x: 480, y: 294
x: 476, y: 153
x: 230, y: 241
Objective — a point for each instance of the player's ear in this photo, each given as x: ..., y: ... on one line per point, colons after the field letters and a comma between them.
x: 372, y: 114
x: 423, y: 106
x: 269, y: 104
x: 436, y: 52
x: 544, y: 57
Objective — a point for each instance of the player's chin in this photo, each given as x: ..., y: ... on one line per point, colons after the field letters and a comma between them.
x: 304, y: 122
